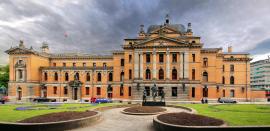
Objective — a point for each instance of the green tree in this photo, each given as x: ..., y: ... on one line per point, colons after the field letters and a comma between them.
x: 4, y: 76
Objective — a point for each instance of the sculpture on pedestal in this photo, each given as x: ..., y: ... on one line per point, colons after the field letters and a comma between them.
x: 154, y: 92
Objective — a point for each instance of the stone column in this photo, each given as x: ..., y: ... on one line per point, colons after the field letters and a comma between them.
x: 186, y: 66
x: 181, y: 65
x: 17, y: 74
x: 141, y: 65
x: 154, y: 64
x: 136, y: 65
x: 23, y: 75
x: 167, y: 64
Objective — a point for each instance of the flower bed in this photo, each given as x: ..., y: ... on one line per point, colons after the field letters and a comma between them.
x: 60, y: 116
x: 143, y: 110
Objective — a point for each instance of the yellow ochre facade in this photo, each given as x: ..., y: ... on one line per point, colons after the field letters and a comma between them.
x: 168, y: 55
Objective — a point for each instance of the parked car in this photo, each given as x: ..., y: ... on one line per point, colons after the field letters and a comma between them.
x: 226, y: 100
x: 100, y: 100
x: 3, y: 98
x: 43, y: 99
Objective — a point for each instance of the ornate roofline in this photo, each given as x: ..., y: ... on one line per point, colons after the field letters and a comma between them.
x: 75, y: 68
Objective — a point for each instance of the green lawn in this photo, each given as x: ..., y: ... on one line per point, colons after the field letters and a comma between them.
x: 9, y: 114
x: 235, y: 114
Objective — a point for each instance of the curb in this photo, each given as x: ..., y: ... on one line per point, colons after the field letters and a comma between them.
x: 52, y: 126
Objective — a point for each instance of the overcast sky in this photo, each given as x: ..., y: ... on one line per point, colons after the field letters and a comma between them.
x: 98, y: 26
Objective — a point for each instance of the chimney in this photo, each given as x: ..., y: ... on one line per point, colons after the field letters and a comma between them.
x: 167, y: 21
x: 189, y: 29
x: 45, y: 47
x: 230, y: 49
x: 21, y: 44
x: 141, y: 32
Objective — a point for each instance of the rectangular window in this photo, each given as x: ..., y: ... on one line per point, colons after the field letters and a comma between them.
x: 232, y: 68
x: 193, y: 92
x: 223, y: 68
x: 64, y: 64
x: 54, y: 64
x: 65, y: 90
x: 54, y: 90
x: 161, y: 58
x: 98, y: 91
x: 94, y: 65
x: 232, y: 93
x: 74, y: 64
x: 147, y: 89
x: 130, y: 58
x: 174, y: 57
x: 223, y: 93
x: 130, y: 74
x: 104, y: 66
x: 205, y: 62
x: 193, y: 74
x: 84, y: 64
x: 174, y: 91
x: 122, y: 62
x: 193, y: 57
x: 86, y: 90
x: 148, y: 58
x: 129, y: 91
x: 121, y: 90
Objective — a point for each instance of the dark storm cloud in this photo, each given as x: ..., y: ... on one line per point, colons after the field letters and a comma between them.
x: 98, y: 26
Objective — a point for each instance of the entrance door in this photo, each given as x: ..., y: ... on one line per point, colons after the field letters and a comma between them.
x: 75, y: 93
x: 19, y: 95
x: 159, y: 90
x: 19, y: 92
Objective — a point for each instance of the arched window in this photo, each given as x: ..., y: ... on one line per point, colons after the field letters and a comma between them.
x: 45, y: 76
x: 87, y: 77
x: 205, y: 77
x: 99, y: 77
x: 110, y: 76
x: 56, y: 76
x: 174, y: 74
x: 66, y: 76
x: 77, y: 76
x: 122, y: 76
x: 147, y: 74
x: 20, y: 74
x: 161, y: 74
x: 232, y: 80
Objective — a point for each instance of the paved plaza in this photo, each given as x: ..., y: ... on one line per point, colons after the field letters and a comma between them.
x: 114, y: 120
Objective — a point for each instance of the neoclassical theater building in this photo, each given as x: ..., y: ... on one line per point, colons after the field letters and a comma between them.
x: 168, y: 55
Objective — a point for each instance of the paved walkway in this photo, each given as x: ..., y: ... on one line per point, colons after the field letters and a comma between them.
x: 114, y: 120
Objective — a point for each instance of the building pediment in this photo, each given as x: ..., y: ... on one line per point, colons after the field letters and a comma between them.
x: 160, y: 41
x: 19, y: 50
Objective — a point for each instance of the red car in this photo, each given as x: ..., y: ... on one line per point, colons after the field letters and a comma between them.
x: 93, y: 99
x: 3, y: 98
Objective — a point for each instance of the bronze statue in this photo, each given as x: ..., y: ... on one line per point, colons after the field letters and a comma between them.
x: 162, y: 93
x: 154, y: 92
x: 144, y: 95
